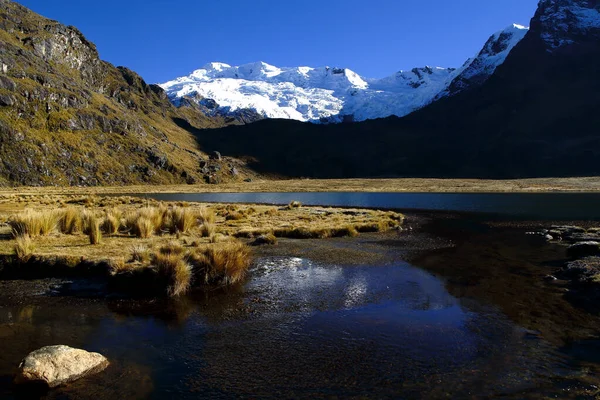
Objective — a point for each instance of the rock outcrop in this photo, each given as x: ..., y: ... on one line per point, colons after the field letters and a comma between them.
x: 69, y: 118
x: 56, y: 365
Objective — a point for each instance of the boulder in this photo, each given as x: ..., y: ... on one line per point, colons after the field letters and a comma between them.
x: 582, y: 271
x: 583, y: 249
x: 215, y: 155
x: 7, y: 83
x: 57, y: 365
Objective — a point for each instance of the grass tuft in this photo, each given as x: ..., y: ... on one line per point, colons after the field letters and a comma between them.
x: 175, y: 270
x: 173, y: 247
x: 144, y: 227
x: 34, y: 223
x: 223, y: 263
x: 112, y: 221
x: 207, y: 229
x: 24, y: 248
x: 71, y: 221
x: 140, y: 253
x: 268, y: 238
x: 93, y: 224
x: 184, y: 219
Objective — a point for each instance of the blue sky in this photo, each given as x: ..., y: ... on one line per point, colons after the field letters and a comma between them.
x: 164, y: 39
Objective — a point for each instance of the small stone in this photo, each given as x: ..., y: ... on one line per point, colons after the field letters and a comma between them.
x: 57, y: 365
x: 583, y: 249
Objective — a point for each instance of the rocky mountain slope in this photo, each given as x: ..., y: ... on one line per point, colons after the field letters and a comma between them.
x: 336, y: 94
x: 69, y: 118
x: 537, y: 115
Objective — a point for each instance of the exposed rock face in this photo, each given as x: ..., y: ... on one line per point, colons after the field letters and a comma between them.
x: 560, y: 23
x: 479, y: 69
x: 57, y: 365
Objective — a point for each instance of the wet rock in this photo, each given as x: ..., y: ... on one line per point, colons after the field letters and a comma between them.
x: 582, y: 271
x: 583, y: 249
x: 57, y: 365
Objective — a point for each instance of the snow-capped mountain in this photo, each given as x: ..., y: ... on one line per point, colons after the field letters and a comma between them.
x: 336, y: 94
x: 564, y: 22
x: 478, y: 69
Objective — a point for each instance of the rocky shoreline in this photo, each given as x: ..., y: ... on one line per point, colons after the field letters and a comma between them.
x: 580, y: 274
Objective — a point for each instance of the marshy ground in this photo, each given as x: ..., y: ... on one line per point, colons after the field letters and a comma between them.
x: 177, y: 245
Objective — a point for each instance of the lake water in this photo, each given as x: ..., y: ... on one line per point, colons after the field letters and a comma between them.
x: 299, y: 329
x: 520, y: 205
x: 295, y: 330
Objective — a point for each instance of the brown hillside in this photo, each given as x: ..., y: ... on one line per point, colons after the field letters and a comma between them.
x: 69, y: 118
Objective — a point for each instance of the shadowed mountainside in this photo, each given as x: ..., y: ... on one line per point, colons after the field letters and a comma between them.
x: 536, y: 116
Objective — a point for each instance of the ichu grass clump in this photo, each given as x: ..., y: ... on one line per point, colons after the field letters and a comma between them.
x: 71, y: 221
x: 24, y: 248
x: 174, y: 269
x: 92, y: 227
x: 34, y: 223
x: 183, y: 219
x: 112, y: 221
x: 222, y: 264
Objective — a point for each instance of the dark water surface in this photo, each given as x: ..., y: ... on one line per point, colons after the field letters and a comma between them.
x: 567, y: 206
x: 300, y: 329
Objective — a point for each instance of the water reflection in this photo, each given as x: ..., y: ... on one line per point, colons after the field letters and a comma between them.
x: 294, y: 329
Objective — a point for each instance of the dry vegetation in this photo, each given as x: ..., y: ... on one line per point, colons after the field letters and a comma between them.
x: 181, y: 245
x: 414, y: 185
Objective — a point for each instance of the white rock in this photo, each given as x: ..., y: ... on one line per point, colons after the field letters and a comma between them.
x: 57, y: 365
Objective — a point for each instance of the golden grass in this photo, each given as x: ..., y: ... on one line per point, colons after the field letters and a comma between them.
x: 144, y: 227
x: 234, y: 216
x: 267, y: 238
x: 93, y: 224
x: 173, y: 247
x: 219, y: 238
x: 34, y: 223
x: 207, y: 229
x: 184, y: 219
x: 112, y: 221
x: 223, y: 263
x: 130, y: 227
x: 140, y: 253
x: 206, y: 215
x: 71, y: 221
x: 175, y: 270
x: 402, y: 185
x: 24, y: 248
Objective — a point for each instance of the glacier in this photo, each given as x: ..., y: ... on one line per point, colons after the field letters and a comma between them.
x: 332, y: 95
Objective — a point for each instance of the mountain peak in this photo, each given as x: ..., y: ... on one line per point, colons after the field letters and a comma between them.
x: 561, y: 23
x: 335, y: 93
x: 216, y: 66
